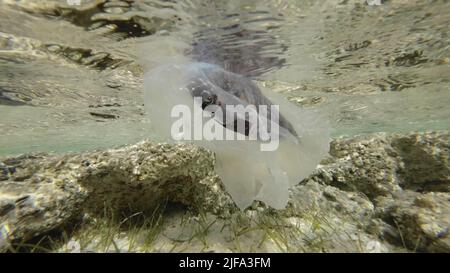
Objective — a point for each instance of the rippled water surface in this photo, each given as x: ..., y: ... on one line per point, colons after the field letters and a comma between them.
x: 71, y: 75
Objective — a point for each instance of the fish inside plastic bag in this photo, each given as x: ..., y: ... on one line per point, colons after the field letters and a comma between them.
x: 262, y: 146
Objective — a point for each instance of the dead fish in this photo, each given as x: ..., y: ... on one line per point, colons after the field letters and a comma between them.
x: 217, y: 86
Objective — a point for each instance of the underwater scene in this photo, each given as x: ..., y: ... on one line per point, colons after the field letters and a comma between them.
x: 225, y: 126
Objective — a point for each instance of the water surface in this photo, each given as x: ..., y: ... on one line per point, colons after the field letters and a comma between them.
x: 71, y: 76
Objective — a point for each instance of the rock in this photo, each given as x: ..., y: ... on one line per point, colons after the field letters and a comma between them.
x: 365, y: 197
x: 36, y: 206
x: 422, y: 220
x: 425, y: 161
x: 406, y: 179
x: 49, y: 191
x: 373, y: 163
